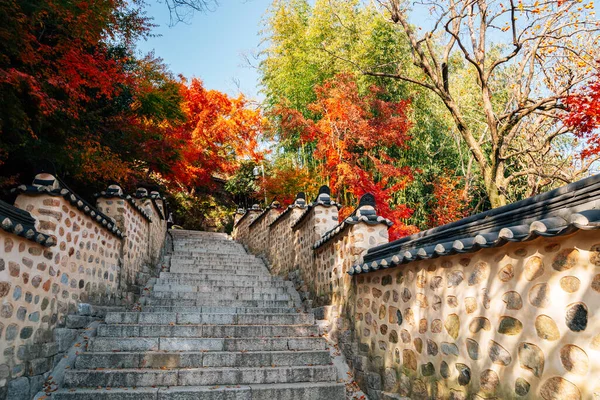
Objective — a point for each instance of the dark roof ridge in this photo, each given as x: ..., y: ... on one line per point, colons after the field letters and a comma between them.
x: 560, y: 211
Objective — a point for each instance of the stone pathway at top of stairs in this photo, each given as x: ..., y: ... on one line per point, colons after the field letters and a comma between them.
x: 216, y: 326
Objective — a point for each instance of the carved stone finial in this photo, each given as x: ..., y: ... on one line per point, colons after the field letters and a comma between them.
x: 114, y: 190
x: 301, y: 195
x: 141, y: 192
x: 275, y: 204
x: 324, y: 190
x: 241, y: 210
x: 45, y: 179
x: 367, y: 199
x: 255, y: 207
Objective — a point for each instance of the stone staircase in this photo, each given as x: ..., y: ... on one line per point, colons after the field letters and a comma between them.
x: 216, y: 326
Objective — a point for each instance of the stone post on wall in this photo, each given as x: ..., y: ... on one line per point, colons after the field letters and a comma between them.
x: 319, y: 217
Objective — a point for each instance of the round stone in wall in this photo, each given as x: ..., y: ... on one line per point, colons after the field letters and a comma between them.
x: 539, y: 295
x: 418, y: 342
x: 595, y: 255
x: 513, y: 300
x: 406, y: 295
x: 427, y: 369
x: 432, y: 348
x: 509, y: 326
x: 409, y: 360
x: 546, y: 328
x: 565, y: 259
x: 455, y: 278
x: 489, y: 380
x: 436, y: 326
x: 445, y: 370
x: 452, y: 325
x: 557, y: 388
x: 506, y: 273
x: 470, y: 305
x: 449, y: 349
x: 472, y: 349
x: 534, y: 268
x: 570, y: 284
x: 531, y: 358
x: 479, y: 323
x: 498, y: 354
x: 4, y: 288
x: 522, y: 387
x: 480, y: 273
x: 576, y: 317
x: 464, y: 374
x: 596, y: 283
x: 574, y: 359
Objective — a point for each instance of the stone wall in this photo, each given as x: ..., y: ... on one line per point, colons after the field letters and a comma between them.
x: 241, y: 227
x: 499, y: 305
x: 259, y: 232
x: 281, y: 238
x: 515, y: 322
x: 57, y: 254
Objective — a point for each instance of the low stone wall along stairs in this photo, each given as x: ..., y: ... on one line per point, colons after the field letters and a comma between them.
x: 215, y: 326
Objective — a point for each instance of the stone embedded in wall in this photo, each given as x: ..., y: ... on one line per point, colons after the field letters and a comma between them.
x: 565, y: 259
x: 479, y: 323
x: 506, y: 273
x: 455, y: 278
x: 409, y: 359
x: 452, y: 325
x: 509, y: 326
x: 445, y: 370
x: 531, y: 358
x: 539, y: 295
x: 522, y: 387
x: 534, y: 268
x: 570, y: 284
x: 472, y: 349
x: 470, y: 305
x: 513, y: 300
x: 594, y: 255
x: 498, y: 354
x: 546, y: 328
x: 464, y: 374
x: 481, y: 273
x: 427, y: 369
x: 576, y: 317
x: 418, y: 343
x: 557, y: 388
x: 596, y: 283
x: 449, y: 349
x: 574, y: 359
x: 489, y: 380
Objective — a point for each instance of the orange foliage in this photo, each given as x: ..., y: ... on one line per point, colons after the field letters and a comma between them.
x: 450, y: 202
x: 584, y: 117
x: 218, y: 131
x: 352, y: 137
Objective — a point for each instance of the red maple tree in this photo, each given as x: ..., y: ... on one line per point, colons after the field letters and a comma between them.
x: 354, y: 135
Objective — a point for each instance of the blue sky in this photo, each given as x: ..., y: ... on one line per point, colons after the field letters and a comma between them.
x: 211, y: 45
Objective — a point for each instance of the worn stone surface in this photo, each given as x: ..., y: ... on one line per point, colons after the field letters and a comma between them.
x: 531, y: 358
x: 557, y: 388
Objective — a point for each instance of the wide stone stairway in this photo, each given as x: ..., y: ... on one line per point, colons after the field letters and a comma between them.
x: 215, y: 326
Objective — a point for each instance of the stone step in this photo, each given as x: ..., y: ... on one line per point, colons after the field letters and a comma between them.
x: 220, y: 295
x: 218, y: 277
x: 285, y: 391
x: 207, y: 331
x: 197, y: 359
x: 202, y: 376
x: 221, y: 310
x: 223, y: 270
x: 148, y: 318
x: 222, y: 283
x: 105, y: 344
x: 213, y: 302
x: 182, y: 288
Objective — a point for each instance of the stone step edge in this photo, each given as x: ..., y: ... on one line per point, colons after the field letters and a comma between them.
x: 167, y: 393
